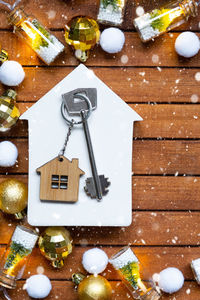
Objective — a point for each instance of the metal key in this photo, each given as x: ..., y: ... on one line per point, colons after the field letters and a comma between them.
x: 96, y: 186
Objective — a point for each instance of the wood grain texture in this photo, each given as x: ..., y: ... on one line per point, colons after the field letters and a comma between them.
x: 157, y: 192
x: 65, y: 290
x: 159, y: 121
x: 59, y: 180
x: 163, y: 88
x: 149, y: 157
x: 159, y: 53
x: 154, y: 259
x: 59, y: 13
x: 147, y: 228
x: 147, y: 85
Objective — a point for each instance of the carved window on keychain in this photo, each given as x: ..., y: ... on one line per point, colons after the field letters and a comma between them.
x: 59, y: 182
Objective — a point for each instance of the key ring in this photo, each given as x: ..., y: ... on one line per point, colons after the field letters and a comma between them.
x: 72, y: 122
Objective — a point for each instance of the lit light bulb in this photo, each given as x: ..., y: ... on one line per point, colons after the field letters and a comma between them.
x: 128, y: 266
x: 158, y: 21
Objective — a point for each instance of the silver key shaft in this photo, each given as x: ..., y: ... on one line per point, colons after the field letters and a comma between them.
x: 95, y: 175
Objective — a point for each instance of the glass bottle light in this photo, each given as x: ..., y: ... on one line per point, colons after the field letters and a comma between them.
x: 160, y: 20
x: 128, y: 267
x: 45, y: 44
x: 16, y: 256
x: 111, y: 12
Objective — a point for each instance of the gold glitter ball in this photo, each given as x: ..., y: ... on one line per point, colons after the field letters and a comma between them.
x: 94, y: 287
x: 55, y: 244
x: 13, y: 196
x: 82, y: 33
x: 9, y: 112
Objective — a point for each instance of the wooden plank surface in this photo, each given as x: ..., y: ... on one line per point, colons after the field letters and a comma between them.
x: 164, y: 157
x: 190, y: 291
x: 139, y: 84
x: 159, y: 54
x: 157, y: 192
x: 164, y: 89
x: 159, y: 121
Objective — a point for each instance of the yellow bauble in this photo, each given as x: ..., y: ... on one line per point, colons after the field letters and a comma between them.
x: 82, y: 33
x: 94, y: 287
x: 13, y: 196
x: 55, y: 244
x: 9, y: 112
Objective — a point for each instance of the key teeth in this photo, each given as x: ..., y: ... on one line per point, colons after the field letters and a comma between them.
x: 89, y: 194
x: 90, y: 190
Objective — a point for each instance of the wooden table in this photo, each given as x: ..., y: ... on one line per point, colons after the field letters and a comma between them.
x: 162, y: 88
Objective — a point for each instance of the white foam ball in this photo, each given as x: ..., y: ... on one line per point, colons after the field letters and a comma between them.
x: 187, y: 44
x: 11, y: 73
x: 8, y: 154
x: 171, y: 280
x: 38, y: 286
x: 112, y: 40
x: 95, y: 261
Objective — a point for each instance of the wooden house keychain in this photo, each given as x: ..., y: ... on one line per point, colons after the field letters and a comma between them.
x: 60, y: 176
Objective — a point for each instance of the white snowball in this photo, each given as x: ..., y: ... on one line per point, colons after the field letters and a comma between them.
x: 11, y: 73
x: 112, y: 40
x: 8, y: 154
x: 187, y: 44
x: 38, y: 286
x: 171, y: 280
x: 95, y: 261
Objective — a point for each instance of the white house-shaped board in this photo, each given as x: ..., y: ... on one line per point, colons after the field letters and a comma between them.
x: 111, y: 128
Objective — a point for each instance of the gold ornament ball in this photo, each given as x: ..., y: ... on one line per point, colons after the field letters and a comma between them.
x: 9, y: 112
x: 13, y: 196
x: 55, y: 244
x: 82, y: 33
x: 94, y: 287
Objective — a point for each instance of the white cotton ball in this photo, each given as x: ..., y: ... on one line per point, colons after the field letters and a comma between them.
x: 171, y: 280
x: 112, y: 40
x: 11, y: 73
x: 187, y: 44
x: 95, y: 261
x: 38, y: 286
x: 8, y: 154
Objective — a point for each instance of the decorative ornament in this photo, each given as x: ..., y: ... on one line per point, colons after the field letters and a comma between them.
x: 16, y: 256
x: 11, y: 73
x: 13, y: 197
x: 112, y: 40
x: 95, y: 261
x: 195, y: 265
x: 3, y: 54
x: 9, y: 112
x: 45, y: 44
x: 28, y: 28
x: 187, y: 44
x: 38, y: 286
x: 93, y: 287
x: 55, y: 244
x: 60, y: 176
x: 128, y: 267
x: 82, y: 33
x: 111, y: 12
x: 171, y: 280
x: 159, y: 21
x: 8, y: 154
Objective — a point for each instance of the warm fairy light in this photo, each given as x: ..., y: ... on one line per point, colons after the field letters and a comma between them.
x: 141, y: 285
x: 175, y: 14
x: 30, y: 32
